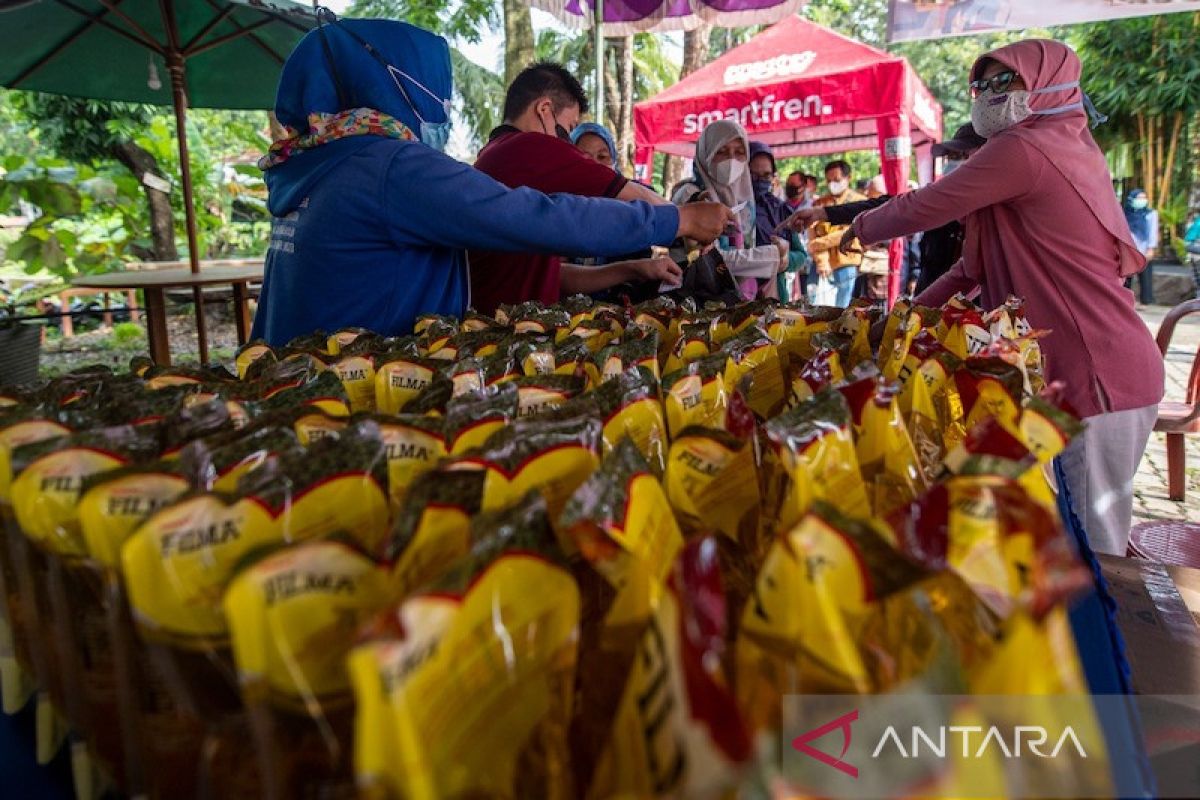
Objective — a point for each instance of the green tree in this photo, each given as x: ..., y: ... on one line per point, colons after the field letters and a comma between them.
x: 1144, y: 73
x: 89, y: 131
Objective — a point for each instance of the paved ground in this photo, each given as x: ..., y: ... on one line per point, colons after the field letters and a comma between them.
x: 1150, y: 485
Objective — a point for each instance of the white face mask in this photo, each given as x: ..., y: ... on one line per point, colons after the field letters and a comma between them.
x: 838, y: 187
x: 729, y: 171
x: 992, y: 113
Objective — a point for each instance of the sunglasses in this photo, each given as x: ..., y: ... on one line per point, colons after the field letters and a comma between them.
x: 998, y: 83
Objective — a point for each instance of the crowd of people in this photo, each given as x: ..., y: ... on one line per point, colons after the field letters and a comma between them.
x: 375, y: 225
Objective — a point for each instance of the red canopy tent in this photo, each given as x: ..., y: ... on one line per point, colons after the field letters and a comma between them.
x: 805, y: 90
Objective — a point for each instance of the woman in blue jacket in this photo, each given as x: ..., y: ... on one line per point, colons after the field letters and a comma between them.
x: 371, y: 219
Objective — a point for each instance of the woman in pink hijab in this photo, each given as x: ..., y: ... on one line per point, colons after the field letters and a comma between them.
x: 1043, y: 223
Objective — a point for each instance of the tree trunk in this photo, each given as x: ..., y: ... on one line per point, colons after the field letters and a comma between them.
x: 695, y: 53
x: 625, y: 128
x: 1164, y: 186
x: 519, y: 51
x: 612, y: 91
x: 162, y: 219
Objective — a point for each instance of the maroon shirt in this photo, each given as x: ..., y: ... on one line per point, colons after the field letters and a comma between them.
x: 547, y: 164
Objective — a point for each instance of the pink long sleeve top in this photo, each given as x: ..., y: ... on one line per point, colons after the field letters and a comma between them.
x: 1030, y: 234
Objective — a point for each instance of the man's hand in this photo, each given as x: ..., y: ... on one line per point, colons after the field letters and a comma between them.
x: 662, y: 269
x: 848, y: 243
x: 804, y: 217
x: 784, y: 249
x: 824, y: 270
x: 703, y: 222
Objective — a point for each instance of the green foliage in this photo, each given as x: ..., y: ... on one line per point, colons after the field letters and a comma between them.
x: 86, y: 217
x: 79, y: 129
x: 457, y: 19
x: 125, y: 333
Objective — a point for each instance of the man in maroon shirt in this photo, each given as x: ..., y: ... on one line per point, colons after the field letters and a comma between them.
x: 533, y: 148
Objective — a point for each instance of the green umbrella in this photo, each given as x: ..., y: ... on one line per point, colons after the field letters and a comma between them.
x: 203, y: 53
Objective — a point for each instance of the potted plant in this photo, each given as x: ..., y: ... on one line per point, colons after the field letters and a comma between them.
x: 20, y: 339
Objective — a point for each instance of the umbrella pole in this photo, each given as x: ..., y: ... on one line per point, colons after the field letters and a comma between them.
x: 179, y: 92
x: 599, y: 30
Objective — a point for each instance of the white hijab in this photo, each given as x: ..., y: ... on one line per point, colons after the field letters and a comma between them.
x: 740, y: 192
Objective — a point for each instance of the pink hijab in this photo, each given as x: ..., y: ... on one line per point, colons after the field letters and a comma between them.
x: 1064, y: 137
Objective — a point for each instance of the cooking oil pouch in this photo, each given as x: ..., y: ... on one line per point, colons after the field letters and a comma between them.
x: 553, y: 322
x: 629, y: 405
x: 552, y: 456
x: 426, y: 322
x: 139, y: 365
x: 202, y: 418
x: 249, y: 353
x: 828, y: 366
x: 285, y: 371
x: 506, y: 314
x: 177, y: 563
x: 343, y: 338
x: 1047, y: 428
x: 929, y: 401
x: 620, y: 520
x: 20, y: 426
x: 114, y: 503
x: 815, y: 459
x: 474, y: 321
x: 433, y: 399
x: 886, y: 456
x: 482, y: 343
x: 674, y: 730
x: 712, y: 483
x: 311, y: 424
x: 433, y: 528
x: 856, y: 323
x: 695, y: 341
x: 534, y: 354
x: 815, y: 591
x: 966, y: 334
x: 49, y: 475
x: 638, y: 350
x: 902, y: 326
x: 357, y: 373
x: 1007, y: 547
x: 697, y: 395
x: 466, y: 375
x: 293, y: 617
x: 579, y: 306
x: 754, y: 356
x: 437, y: 340
x: 315, y: 342
x: 338, y: 484
x: 990, y: 387
x: 595, y: 333
x: 462, y: 702
x: 413, y: 445
x: 539, y: 393
x: 325, y: 392
x: 160, y: 377
x: 992, y: 449
x: 473, y: 417
x: 219, y: 462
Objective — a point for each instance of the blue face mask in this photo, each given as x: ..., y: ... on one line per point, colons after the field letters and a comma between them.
x: 433, y: 134
x: 1139, y: 203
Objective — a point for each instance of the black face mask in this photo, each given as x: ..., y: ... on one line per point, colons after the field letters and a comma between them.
x: 559, y: 130
x: 792, y: 192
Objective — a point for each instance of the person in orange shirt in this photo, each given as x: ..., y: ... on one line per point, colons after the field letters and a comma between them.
x: 824, y: 239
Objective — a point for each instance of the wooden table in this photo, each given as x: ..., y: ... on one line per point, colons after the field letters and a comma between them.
x: 154, y: 283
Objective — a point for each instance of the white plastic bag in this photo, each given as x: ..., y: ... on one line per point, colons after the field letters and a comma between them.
x: 823, y: 292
